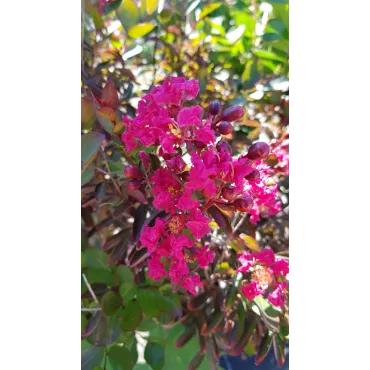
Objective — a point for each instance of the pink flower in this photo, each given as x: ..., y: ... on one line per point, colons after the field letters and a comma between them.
x: 204, y: 256
x: 246, y: 260
x: 199, y: 179
x: 241, y: 169
x: 178, y: 270
x: 150, y: 236
x: 189, y: 283
x: 205, y: 135
x: 251, y: 291
x: 190, y: 116
x: 176, y: 164
x: 189, y: 87
x: 277, y: 297
x: 281, y: 266
x: 128, y: 139
x: 155, y: 268
x: 267, y: 257
x: 198, y: 224
x: 186, y: 202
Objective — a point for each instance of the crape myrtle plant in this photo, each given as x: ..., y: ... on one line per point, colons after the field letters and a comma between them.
x: 163, y: 238
x: 185, y: 183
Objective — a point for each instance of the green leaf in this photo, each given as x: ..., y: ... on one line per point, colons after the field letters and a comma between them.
x: 276, y: 26
x: 148, y: 299
x: 90, y: 144
x: 87, y: 175
x: 87, y: 110
x: 209, y: 9
x: 165, y: 15
x: 264, y: 54
x: 96, y: 258
x: 108, y: 331
x: 151, y: 6
x: 128, y: 13
x: 179, y: 358
x: 110, y: 303
x: 271, y: 37
x: 120, y: 358
x: 91, y: 356
x: 140, y: 30
x: 269, y: 314
x: 132, y: 314
x: 125, y: 274
x: 154, y: 355
x: 104, y: 276
x: 127, y: 291
x: 105, y: 122
x: 111, y: 7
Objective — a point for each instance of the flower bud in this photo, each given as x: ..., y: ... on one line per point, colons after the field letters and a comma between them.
x: 133, y: 184
x: 223, y: 146
x: 229, y: 192
x: 214, y: 108
x: 185, y: 176
x: 132, y: 172
x: 243, y: 204
x: 199, y: 144
x: 254, y: 175
x: 225, y: 128
x: 232, y: 114
x: 258, y: 151
x: 145, y: 159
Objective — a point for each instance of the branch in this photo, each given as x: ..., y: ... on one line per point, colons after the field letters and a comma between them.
x: 91, y: 292
x: 110, y: 175
x: 240, y: 222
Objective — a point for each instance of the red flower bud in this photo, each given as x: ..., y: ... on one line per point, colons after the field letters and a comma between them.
x: 243, y: 204
x: 258, y: 151
x: 199, y: 144
x: 223, y: 146
x: 185, y: 176
x: 134, y: 184
x: 145, y: 159
x: 229, y: 192
x: 132, y: 172
x: 225, y: 128
x: 232, y: 114
x: 215, y: 108
x: 254, y: 175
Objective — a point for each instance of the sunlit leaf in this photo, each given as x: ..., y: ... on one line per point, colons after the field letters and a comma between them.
x: 208, y: 9
x: 128, y: 13
x: 140, y: 30
x: 151, y: 6
x: 250, y: 243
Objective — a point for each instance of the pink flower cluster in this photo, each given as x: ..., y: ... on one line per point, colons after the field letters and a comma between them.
x: 185, y: 186
x: 265, y: 274
x: 280, y: 150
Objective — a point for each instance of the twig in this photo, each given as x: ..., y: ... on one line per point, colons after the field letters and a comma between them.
x: 237, y: 213
x: 110, y: 175
x: 240, y: 222
x: 90, y: 290
x: 90, y: 309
